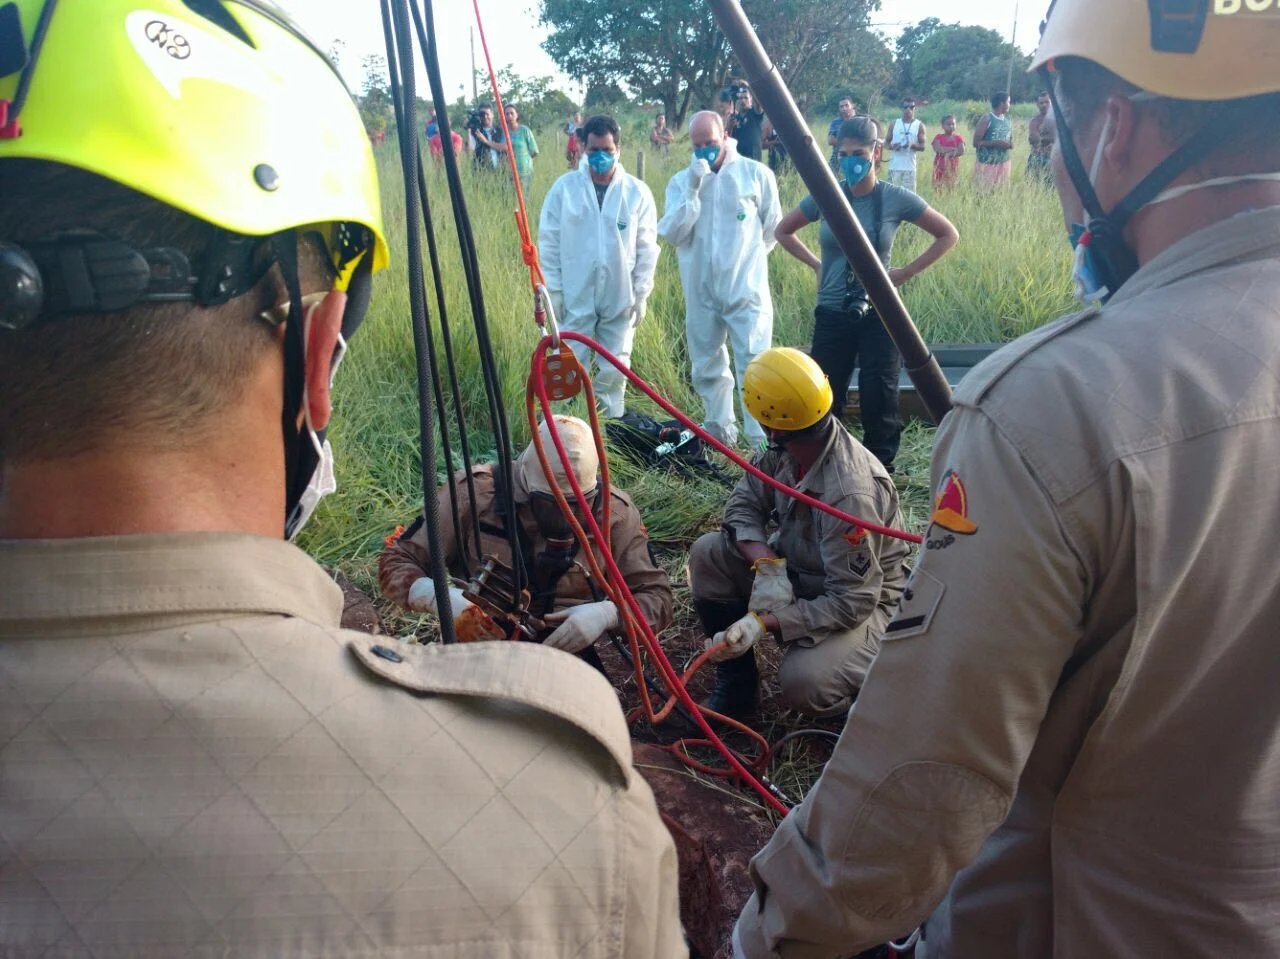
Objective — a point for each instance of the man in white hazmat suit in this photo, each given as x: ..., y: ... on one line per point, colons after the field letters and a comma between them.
x: 598, y: 245
x: 720, y: 216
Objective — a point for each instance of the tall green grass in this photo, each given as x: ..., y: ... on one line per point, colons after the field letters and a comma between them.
x: 1008, y: 275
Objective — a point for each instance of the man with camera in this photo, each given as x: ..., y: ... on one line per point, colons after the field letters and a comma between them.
x: 748, y: 120
x: 847, y: 331
x: 483, y: 147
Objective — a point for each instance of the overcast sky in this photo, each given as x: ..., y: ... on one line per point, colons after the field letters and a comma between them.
x: 515, y: 36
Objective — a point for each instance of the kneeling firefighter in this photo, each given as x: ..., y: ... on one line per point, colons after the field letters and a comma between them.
x: 821, y: 588
x: 568, y: 607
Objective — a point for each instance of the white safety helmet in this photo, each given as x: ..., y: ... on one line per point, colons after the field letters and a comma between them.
x: 578, y: 443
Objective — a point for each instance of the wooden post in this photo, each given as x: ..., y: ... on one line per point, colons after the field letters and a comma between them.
x: 640, y: 164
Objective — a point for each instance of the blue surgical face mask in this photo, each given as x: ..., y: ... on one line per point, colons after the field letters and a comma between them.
x: 601, y: 161
x: 710, y: 153
x: 855, y: 169
x: 1084, y: 275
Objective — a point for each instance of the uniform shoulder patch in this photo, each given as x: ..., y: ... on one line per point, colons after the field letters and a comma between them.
x: 920, y: 602
x: 951, y: 506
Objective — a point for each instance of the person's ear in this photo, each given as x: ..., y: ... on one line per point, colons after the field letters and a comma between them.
x: 323, y: 325
x: 1120, y: 119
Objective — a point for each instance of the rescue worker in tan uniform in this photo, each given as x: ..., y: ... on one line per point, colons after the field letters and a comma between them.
x: 195, y: 760
x: 781, y: 569
x: 1069, y: 745
x: 563, y: 591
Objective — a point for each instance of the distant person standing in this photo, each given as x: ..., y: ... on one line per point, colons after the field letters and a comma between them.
x: 573, y: 142
x: 1041, y: 134
x: 598, y: 243
x: 748, y: 121
x: 720, y: 216
x: 436, y: 146
x: 433, y: 125
x: 948, y: 148
x: 523, y: 146
x: 906, y: 139
x: 847, y: 331
x: 724, y: 109
x: 994, y: 142
x: 778, y: 156
x: 480, y: 126
x: 848, y: 109
x: 660, y: 135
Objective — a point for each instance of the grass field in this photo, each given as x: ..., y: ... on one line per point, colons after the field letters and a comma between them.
x: 1008, y: 275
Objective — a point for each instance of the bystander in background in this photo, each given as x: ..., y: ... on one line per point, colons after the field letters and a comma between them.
x: 994, y: 141
x: 948, y: 148
x: 1041, y: 134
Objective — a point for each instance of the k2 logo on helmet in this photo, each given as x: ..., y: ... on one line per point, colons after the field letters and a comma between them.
x: 950, y: 513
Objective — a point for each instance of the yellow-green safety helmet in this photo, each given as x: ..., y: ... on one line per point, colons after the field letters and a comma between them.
x: 220, y: 108
x: 1195, y: 50
x: 785, y: 389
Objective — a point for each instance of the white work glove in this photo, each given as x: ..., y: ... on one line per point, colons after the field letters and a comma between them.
x: 580, y: 626
x: 470, y: 624
x: 772, y: 588
x: 639, y: 310
x: 699, y: 169
x: 422, y: 597
x: 738, y: 638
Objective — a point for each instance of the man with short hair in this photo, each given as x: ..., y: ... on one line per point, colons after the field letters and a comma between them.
x: 598, y: 246
x: 482, y: 144
x: 523, y: 146
x: 720, y: 216
x: 848, y: 109
x: 195, y: 760
x: 660, y: 136
x: 1069, y: 744
x: 748, y: 121
x: 781, y: 570
x: 1041, y: 137
x: 906, y: 139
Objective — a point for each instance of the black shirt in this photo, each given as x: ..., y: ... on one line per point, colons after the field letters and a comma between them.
x: 746, y: 130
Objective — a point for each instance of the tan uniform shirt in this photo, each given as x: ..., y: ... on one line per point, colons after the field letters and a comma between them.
x: 405, y: 560
x: 195, y: 761
x: 841, y: 584
x: 1071, y: 732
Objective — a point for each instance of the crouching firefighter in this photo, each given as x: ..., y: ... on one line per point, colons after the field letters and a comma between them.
x: 779, y: 568
x: 565, y: 607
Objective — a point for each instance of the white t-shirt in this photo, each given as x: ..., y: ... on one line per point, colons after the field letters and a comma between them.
x: 904, y: 135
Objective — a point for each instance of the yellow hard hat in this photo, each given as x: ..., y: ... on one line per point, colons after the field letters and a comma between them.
x: 220, y: 108
x: 1214, y: 50
x: 785, y: 389
x: 579, y: 443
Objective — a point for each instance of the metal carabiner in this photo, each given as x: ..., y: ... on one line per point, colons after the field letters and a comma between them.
x: 552, y: 326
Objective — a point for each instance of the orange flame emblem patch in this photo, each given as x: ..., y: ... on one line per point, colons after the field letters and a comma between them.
x: 951, y: 506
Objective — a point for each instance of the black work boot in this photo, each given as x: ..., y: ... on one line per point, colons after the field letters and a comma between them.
x: 737, y: 689
x: 737, y: 692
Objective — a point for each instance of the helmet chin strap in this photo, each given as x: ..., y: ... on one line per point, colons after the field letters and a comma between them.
x: 300, y: 459
x: 1114, y: 260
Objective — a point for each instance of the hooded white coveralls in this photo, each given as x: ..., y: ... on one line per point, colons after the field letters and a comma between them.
x: 722, y: 230
x: 599, y: 262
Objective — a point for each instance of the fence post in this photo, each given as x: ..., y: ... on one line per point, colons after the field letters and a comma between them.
x: 640, y: 164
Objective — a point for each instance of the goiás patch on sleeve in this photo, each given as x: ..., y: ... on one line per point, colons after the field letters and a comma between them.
x: 950, y: 516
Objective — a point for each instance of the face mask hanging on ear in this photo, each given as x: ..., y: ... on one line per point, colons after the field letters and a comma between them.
x: 323, y: 481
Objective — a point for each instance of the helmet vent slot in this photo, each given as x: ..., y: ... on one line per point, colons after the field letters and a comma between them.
x: 215, y: 12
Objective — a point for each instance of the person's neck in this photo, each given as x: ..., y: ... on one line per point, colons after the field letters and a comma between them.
x: 1154, y: 229
x: 865, y: 186
x: 231, y: 480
